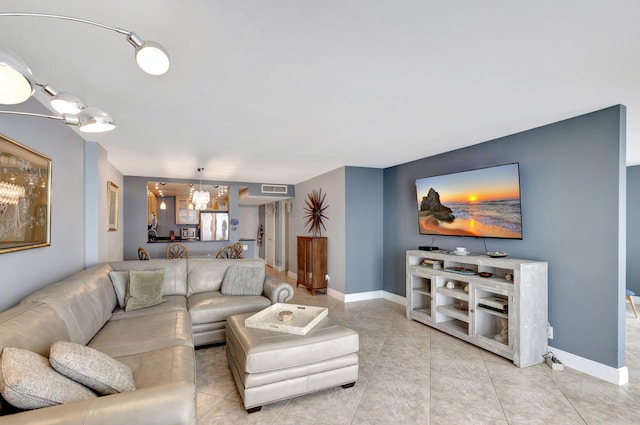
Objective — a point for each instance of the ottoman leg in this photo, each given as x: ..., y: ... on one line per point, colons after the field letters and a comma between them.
x: 349, y: 385
x: 254, y: 409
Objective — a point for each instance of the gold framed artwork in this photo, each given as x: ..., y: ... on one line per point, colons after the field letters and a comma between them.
x: 25, y: 197
x: 112, y: 206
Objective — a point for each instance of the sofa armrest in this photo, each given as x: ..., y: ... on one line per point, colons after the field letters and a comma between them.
x: 163, y: 404
x: 276, y: 290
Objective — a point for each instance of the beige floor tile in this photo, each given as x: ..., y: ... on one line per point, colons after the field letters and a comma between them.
x: 462, y: 394
x: 449, y: 416
x: 229, y: 412
x: 413, y: 374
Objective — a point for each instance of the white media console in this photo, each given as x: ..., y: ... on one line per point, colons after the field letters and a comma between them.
x: 505, y: 313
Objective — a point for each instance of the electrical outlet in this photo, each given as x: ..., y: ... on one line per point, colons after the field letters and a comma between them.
x: 327, y: 277
x: 549, y: 331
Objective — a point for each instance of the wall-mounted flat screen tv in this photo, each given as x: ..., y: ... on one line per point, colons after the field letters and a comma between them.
x: 481, y: 203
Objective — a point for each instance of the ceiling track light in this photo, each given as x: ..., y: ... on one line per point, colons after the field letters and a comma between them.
x: 150, y: 56
x: 63, y: 102
x: 89, y: 120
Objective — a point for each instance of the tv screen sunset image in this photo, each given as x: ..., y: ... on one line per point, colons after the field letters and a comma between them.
x: 477, y: 203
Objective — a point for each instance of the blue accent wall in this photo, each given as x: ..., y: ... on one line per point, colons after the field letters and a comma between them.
x: 633, y: 229
x: 573, y: 184
x: 364, y: 204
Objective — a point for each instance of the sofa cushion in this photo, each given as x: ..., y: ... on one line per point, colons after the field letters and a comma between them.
x: 173, y: 303
x: 242, y: 280
x: 141, y: 334
x: 28, y: 381
x: 161, y: 367
x: 120, y: 281
x: 206, y: 274
x: 208, y: 307
x: 175, y: 272
x: 144, y: 289
x: 91, y: 368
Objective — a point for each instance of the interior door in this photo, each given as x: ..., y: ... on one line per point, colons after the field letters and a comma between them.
x: 269, y: 235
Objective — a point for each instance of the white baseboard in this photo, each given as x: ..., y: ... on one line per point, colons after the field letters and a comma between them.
x: 292, y: 275
x: 598, y: 370
x: 609, y: 374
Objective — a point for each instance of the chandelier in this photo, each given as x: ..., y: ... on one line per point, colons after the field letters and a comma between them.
x: 200, y: 197
x: 11, y: 193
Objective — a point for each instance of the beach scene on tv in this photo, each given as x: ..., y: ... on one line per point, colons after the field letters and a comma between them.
x: 477, y: 203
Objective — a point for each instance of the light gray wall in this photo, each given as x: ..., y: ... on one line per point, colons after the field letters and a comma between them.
x: 364, y: 204
x: 100, y: 244
x: 572, y: 177
x: 333, y: 185
x: 633, y: 228
x: 26, y: 271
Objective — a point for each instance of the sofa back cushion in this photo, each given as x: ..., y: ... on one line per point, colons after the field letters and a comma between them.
x: 206, y: 274
x: 33, y: 326
x: 84, y: 301
x: 175, y: 272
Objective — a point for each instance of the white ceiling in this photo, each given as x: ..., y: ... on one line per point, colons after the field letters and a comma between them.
x: 280, y: 91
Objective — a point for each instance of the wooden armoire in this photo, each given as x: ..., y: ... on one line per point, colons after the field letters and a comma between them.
x: 312, y: 263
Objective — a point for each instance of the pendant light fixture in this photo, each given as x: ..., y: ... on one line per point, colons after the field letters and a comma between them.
x: 201, y: 197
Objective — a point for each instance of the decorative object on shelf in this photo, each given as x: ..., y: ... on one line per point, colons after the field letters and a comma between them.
x: 466, y: 288
x: 485, y: 274
x: 260, y: 234
x: 508, y: 277
x: 450, y: 284
x: 201, y: 197
x: 314, y: 212
x: 25, y: 197
x: 497, y: 254
x: 113, y: 192
x: 503, y: 336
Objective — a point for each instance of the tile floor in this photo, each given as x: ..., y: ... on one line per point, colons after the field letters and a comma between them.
x: 412, y: 374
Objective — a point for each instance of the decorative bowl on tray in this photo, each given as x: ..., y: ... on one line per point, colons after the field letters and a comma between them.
x: 497, y: 254
x: 485, y: 274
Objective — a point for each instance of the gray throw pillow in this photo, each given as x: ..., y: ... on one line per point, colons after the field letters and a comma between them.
x: 27, y: 381
x: 144, y: 289
x: 243, y: 280
x: 120, y: 281
x: 91, y: 367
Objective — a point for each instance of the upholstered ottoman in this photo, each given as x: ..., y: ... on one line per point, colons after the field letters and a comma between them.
x: 269, y: 366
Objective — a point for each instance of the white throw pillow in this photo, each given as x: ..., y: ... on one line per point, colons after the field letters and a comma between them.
x: 91, y: 367
x: 27, y: 381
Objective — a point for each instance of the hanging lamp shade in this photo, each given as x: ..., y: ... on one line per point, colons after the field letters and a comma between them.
x: 16, y: 79
x: 63, y: 102
x: 151, y: 57
x: 201, y: 197
x: 95, y: 120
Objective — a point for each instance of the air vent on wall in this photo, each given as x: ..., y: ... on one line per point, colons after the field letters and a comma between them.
x: 274, y: 188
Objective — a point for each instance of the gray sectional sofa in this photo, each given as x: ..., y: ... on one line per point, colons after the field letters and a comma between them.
x: 156, y: 342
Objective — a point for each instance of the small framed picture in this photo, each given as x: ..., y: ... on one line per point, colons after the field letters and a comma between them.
x: 112, y: 206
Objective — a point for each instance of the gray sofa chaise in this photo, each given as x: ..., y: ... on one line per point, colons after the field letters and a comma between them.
x: 156, y: 342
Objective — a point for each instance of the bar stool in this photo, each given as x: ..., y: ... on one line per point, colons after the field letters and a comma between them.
x: 629, y: 296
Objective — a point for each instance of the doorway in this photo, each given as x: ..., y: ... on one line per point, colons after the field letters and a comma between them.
x: 269, y: 235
